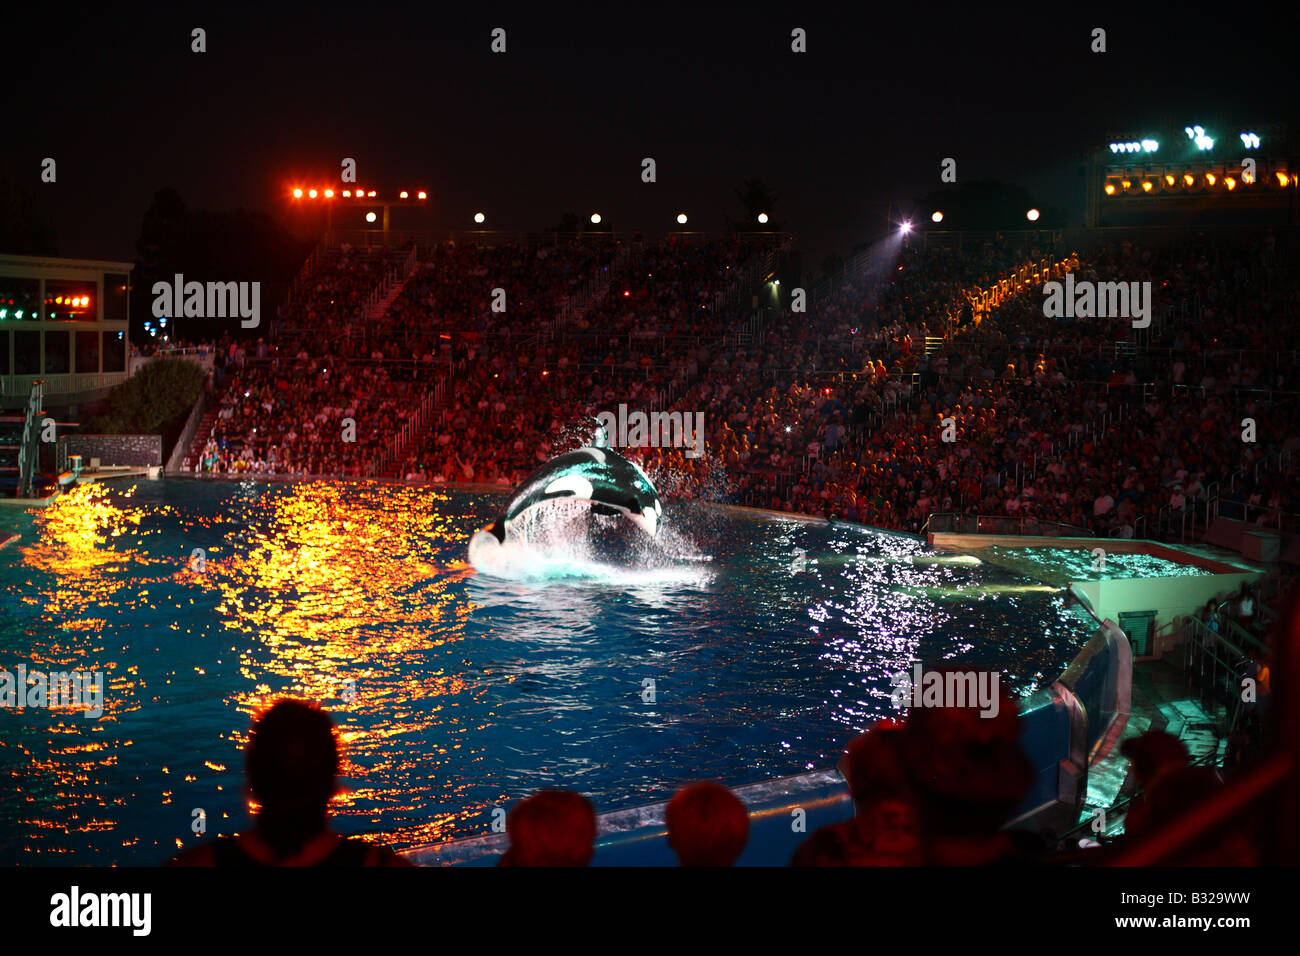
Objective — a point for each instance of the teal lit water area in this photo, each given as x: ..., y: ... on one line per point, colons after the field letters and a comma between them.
x: 749, y: 647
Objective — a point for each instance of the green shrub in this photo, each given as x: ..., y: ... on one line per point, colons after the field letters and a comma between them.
x: 151, y: 400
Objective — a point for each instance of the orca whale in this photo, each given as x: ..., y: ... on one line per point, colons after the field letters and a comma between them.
x: 612, y: 484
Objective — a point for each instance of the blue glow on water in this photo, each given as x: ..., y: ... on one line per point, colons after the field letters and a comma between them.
x: 767, y: 643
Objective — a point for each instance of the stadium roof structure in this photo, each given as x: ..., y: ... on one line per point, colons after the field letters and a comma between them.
x: 53, y: 266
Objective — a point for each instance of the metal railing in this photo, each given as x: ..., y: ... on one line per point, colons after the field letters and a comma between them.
x: 414, y: 426
x: 181, y: 450
x: 1213, y: 664
x: 12, y: 386
x: 952, y: 522
x: 29, y: 448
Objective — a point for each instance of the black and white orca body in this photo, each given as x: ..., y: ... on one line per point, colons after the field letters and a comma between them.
x: 600, y: 476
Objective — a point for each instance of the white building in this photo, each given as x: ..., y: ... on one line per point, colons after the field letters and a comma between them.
x: 63, y: 321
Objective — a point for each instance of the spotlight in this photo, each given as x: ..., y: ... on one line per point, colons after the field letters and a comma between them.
x: 936, y: 216
x: 1147, y: 185
x: 421, y: 195
x: 1283, y: 179
x: 1032, y: 215
x: 1210, y: 179
x: 1170, y: 179
x: 329, y: 194
x: 595, y: 217
x: 370, y: 217
x: 1230, y: 183
x: 907, y: 226
x: 403, y: 194
x: 372, y: 194
x: 311, y: 194
x: 347, y: 194
x: 1189, y: 180
x: 479, y: 217
x: 297, y: 194
x: 762, y: 217
x: 681, y: 218
x: 1110, y: 189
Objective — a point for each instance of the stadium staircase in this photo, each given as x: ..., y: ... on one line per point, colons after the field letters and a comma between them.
x: 592, y: 294
x: 383, y: 297
x: 195, y: 453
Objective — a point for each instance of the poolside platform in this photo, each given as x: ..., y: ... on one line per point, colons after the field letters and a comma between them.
x: 87, y: 476
x: 28, y: 502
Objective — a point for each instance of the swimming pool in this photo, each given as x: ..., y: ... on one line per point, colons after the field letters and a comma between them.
x: 456, y: 693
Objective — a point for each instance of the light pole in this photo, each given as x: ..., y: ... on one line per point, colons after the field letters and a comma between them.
x: 369, y: 197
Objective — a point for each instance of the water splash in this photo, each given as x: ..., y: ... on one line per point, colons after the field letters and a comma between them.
x: 564, y: 539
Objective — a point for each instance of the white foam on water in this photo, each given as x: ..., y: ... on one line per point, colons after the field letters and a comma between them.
x: 551, y: 542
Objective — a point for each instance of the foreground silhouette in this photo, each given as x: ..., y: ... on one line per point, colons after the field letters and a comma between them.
x: 708, y: 825
x: 551, y: 828
x: 291, y: 763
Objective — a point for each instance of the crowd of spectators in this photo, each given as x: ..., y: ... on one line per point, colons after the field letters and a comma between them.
x: 841, y: 410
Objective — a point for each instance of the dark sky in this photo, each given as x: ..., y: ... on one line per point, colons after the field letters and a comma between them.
x: 562, y: 120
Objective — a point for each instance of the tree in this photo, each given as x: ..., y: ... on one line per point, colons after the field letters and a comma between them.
x: 151, y: 402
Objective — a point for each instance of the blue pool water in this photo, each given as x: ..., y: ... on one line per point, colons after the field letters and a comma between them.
x: 456, y: 692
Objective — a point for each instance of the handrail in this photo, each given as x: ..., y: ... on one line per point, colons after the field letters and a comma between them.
x: 29, y: 447
x: 181, y: 450
x: 954, y: 522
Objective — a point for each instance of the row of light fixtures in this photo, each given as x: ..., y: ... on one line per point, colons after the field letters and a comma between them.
x: 1171, y: 182
x: 300, y: 193
x: 937, y: 216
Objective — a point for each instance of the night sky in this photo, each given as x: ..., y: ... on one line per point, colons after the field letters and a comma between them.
x: 562, y: 120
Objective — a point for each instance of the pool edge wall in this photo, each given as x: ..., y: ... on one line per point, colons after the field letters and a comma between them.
x: 1065, y: 726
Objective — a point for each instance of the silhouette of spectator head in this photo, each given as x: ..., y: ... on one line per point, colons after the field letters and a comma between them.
x: 966, y: 762
x: 873, y: 766
x: 707, y: 825
x: 1153, y: 754
x: 551, y: 828
x: 829, y: 846
x: 291, y: 763
x: 1188, y: 791
x: 886, y: 828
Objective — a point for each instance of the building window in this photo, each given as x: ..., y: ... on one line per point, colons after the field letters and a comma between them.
x: 20, y: 299
x: 58, y: 353
x: 27, y: 353
x: 114, y: 351
x: 69, y: 300
x: 87, y: 352
x: 115, y: 296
